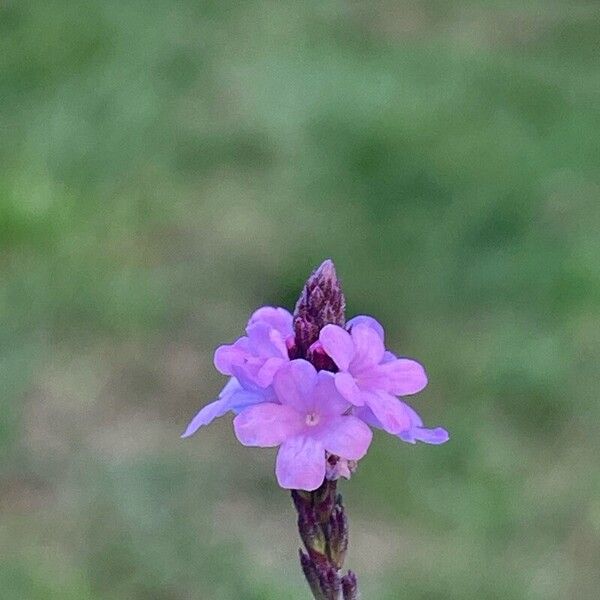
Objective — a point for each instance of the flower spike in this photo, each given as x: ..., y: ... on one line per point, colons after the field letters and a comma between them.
x: 321, y: 303
x: 313, y: 385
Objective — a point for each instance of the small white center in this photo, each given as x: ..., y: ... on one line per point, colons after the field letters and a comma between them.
x: 312, y: 419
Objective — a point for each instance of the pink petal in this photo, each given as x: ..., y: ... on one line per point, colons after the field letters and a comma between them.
x: 338, y: 344
x: 415, y: 419
x: 414, y: 433
x: 418, y: 433
x: 389, y: 411
x: 404, y: 376
x: 346, y: 436
x: 247, y: 381
x: 300, y: 464
x: 279, y: 341
x: 294, y: 383
x: 369, y: 348
x: 267, y: 425
x: 276, y: 317
x: 264, y: 341
x: 247, y: 373
x: 230, y: 354
x: 346, y: 386
x: 374, y: 324
x: 326, y: 398
x: 266, y: 373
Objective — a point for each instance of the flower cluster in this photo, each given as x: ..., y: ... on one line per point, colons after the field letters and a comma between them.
x: 314, y: 386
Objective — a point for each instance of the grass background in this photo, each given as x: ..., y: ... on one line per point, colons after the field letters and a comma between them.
x: 166, y: 167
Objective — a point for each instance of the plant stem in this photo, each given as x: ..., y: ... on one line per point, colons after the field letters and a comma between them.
x: 323, y: 528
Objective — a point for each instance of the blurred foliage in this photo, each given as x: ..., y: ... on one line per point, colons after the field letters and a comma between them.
x: 166, y: 167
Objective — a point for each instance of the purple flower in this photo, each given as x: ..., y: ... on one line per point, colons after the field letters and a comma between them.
x: 314, y: 414
x: 256, y: 357
x: 313, y: 385
x: 309, y: 420
x: 370, y: 376
x: 251, y: 362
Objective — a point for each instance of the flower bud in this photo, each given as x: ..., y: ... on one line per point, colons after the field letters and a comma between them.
x: 321, y: 303
x: 312, y: 576
x: 331, y: 582
x: 350, y: 586
x: 337, y: 533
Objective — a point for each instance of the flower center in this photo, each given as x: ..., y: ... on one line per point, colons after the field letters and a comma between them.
x: 312, y: 419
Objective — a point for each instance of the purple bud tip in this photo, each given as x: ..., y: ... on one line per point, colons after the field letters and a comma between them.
x: 350, y: 586
x: 321, y: 303
x: 326, y: 269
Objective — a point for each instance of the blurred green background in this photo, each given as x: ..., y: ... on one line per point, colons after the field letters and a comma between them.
x: 167, y: 167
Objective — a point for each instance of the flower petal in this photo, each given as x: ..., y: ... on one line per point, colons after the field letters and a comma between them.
x: 388, y: 357
x: 246, y: 375
x: 300, y: 464
x: 207, y: 415
x: 346, y: 436
x: 388, y: 410
x: 404, y: 376
x: 266, y: 373
x: 241, y: 399
x: 418, y: 433
x: 338, y: 344
x: 264, y: 341
x: 414, y: 433
x: 368, y: 348
x: 229, y: 355
x: 276, y: 317
x: 267, y: 425
x: 364, y: 413
x: 327, y: 400
x: 294, y: 383
x: 415, y: 418
x: 435, y: 436
x: 374, y: 324
x: 346, y: 386
x: 232, y: 397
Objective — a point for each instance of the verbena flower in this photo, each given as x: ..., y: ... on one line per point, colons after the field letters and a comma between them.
x: 255, y: 358
x: 309, y: 419
x: 368, y: 379
x: 370, y: 376
x: 312, y: 385
x: 251, y: 361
